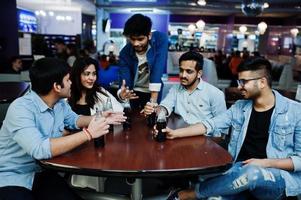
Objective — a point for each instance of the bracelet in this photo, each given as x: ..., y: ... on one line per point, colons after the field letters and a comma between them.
x: 87, y: 133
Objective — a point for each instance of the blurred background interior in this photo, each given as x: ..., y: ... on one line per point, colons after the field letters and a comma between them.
x: 222, y: 30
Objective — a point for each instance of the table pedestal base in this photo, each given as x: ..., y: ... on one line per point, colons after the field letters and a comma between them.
x: 137, y: 189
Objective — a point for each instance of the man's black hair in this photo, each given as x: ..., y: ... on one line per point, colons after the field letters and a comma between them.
x: 45, y: 72
x: 257, y: 64
x: 137, y: 25
x: 192, y: 55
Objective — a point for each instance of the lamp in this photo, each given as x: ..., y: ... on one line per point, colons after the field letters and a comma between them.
x: 252, y: 7
x: 200, y: 25
x: 262, y: 26
x: 294, y: 32
x: 191, y: 28
x: 266, y: 5
x: 201, y: 2
x: 243, y: 29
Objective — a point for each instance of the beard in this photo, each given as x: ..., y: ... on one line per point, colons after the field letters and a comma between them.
x: 191, y: 83
x: 141, y: 49
x: 250, y: 95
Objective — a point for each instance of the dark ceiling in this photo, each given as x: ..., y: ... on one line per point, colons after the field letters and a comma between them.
x: 277, y: 8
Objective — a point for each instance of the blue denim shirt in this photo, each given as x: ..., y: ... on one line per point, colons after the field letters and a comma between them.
x: 206, y: 101
x: 156, y: 58
x: 25, y: 134
x: 284, y: 134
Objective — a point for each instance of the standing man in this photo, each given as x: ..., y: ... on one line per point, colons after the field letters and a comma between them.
x: 265, y: 141
x: 33, y: 129
x: 142, y: 60
x: 194, y: 99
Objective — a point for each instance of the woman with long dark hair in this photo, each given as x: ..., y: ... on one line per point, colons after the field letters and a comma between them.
x: 86, y: 98
x: 86, y: 95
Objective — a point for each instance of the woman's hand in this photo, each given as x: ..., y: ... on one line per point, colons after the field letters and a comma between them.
x: 114, y: 117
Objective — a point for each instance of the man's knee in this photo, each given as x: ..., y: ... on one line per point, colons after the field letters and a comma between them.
x: 248, y: 176
x: 257, y: 174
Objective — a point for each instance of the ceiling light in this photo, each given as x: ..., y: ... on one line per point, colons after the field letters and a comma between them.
x: 202, y: 2
x: 60, y: 18
x: 200, y: 25
x: 191, y: 28
x: 68, y: 18
x: 50, y: 13
x: 266, y: 5
x: 262, y: 26
x: 43, y: 13
x: 243, y: 29
x: 294, y: 32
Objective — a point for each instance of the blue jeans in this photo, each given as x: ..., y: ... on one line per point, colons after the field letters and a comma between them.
x: 262, y: 183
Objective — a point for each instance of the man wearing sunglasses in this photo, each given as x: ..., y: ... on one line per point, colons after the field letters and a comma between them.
x: 265, y: 141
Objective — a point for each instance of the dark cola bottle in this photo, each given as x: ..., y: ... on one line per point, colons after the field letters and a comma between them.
x: 151, y: 119
x: 160, y: 125
x: 99, y: 142
x: 127, y: 112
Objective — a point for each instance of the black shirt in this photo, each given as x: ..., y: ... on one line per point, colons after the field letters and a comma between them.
x: 82, y: 109
x: 254, y: 145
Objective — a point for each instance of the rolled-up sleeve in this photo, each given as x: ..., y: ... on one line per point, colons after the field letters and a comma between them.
x: 155, y: 87
x: 169, y: 101
x: 70, y: 117
x: 221, y: 122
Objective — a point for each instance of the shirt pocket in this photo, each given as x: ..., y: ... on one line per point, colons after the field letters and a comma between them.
x: 283, y: 136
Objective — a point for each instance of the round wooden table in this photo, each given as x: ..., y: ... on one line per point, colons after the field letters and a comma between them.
x: 136, y: 154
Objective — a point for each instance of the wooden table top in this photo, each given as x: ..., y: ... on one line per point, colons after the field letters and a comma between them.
x: 9, y: 91
x: 135, y: 153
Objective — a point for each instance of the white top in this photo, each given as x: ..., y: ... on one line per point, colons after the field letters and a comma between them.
x: 117, y: 106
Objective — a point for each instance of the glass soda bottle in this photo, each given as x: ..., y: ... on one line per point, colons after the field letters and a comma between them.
x: 100, y: 141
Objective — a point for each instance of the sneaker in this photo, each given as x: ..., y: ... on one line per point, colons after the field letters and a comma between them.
x: 173, y: 194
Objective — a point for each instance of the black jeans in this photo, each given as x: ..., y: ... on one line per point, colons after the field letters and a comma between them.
x: 47, y: 185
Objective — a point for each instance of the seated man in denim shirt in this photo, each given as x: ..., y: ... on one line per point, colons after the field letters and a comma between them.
x: 33, y: 129
x: 265, y: 141
x: 194, y: 99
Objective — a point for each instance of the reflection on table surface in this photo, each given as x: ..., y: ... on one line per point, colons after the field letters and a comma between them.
x: 135, y: 153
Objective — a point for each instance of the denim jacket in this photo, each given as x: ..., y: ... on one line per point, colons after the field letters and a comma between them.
x: 156, y: 57
x: 284, y: 134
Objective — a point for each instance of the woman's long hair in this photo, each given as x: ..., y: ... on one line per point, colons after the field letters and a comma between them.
x: 77, y: 88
